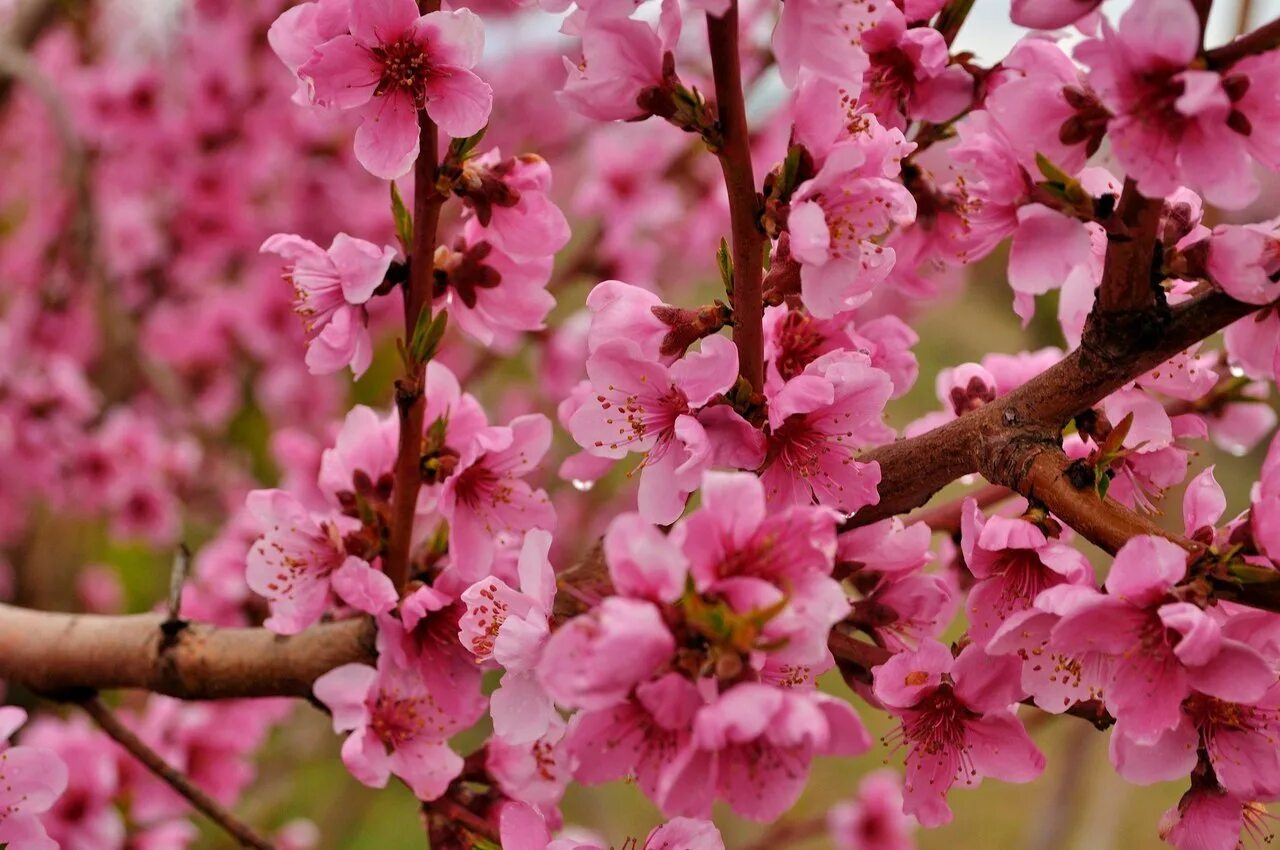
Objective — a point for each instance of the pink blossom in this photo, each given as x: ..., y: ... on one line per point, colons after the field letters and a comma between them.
x: 623, y: 311
x: 330, y: 288
x: 1237, y: 738
x: 294, y: 561
x: 524, y: 223
x: 736, y: 548
x: 511, y: 627
x: 1054, y: 679
x: 822, y: 36
x: 910, y: 75
x: 1208, y: 818
x: 31, y: 780
x: 957, y: 723
x: 817, y: 420
x: 644, y: 406
x: 492, y: 296
x: 636, y: 737
x: 752, y: 748
x: 578, y: 667
x: 1051, y: 14
x: 1013, y: 561
x: 621, y: 59
x: 873, y: 819
x: 488, y: 494
x: 397, y: 726
x: 1172, y: 124
x: 1163, y: 648
x: 1265, y: 505
x: 1243, y: 259
x: 536, y: 772
x: 394, y: 63
x: 523, y: 828
x: 295, y: 35
x: 900, y: 603
x: 837, y: 216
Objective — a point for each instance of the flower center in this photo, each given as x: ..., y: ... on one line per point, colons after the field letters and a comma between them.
x: 405, y: 68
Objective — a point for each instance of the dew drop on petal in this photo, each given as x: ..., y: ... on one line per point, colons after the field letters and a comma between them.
x: 582, y: 485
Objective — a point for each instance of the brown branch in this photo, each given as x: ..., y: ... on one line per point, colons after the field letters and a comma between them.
x: 1261, y: 40
x: 945, y: 518
x: 1045, y: 478
x: 59, y: 654
x: 1116, y: 349
x: 411, y: 398
x: 1126, y: 275
x: 124, y: 736
x: 744, y: 202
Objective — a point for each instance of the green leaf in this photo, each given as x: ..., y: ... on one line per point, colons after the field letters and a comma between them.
x: 1104, y: 484
x: 1053, y: 172
x: 427, y: 335
x: 403, y: 218
x: 790, y: 170
x: 725, y: 261
x: 460, y: 150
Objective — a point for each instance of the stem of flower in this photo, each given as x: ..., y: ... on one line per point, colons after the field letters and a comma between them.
x: 174, y: 778
x: 744, y: 201
x: 411, y: 400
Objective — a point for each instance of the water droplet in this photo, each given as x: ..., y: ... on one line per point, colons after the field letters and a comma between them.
x: 582, y: 486
x: 1236, y: 371
x: 1236, y: 450
x: 966, y: 480
x: 845, y: 517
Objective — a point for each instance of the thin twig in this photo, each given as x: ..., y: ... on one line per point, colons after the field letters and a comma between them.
x: 124, y: 736
x: 744, y: 203
x: 411, y: 398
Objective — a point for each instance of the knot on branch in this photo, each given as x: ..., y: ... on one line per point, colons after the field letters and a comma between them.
x: 1110, y: 338
x: 1006, y: 457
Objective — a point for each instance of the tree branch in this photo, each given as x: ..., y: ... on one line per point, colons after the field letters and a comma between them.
x: 411, y: 397
x: 1044, y: 478
x: 744, y: 203
x: 124, y: 736
x: 59, y: 654
x: 1264, y: 38
x: 1115, y: 350
x: 945, y: 518
x: 1126, y: 276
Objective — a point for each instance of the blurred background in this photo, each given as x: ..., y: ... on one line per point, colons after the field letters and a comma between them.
x: 146, y: 149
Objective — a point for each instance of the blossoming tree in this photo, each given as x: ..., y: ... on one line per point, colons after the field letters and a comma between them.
x: 605, y: 495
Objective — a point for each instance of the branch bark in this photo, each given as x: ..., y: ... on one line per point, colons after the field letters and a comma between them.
x: 1264, y: 38
x: 150, y: 759
x: 61, y: 654
x: 411, y: 391
x: 1126, y: 275
x: 744, y: 203
x: 1115, y: 350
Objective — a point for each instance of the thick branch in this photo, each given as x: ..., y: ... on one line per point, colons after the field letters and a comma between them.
x: 740, y: 183
x: 1104, y: 522
x: 411, y: 399
x: 1115, y: 351
x: 1126, y: 275
x: 1264, y: 38
x: 59, y: 654
x: 124, y: 736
